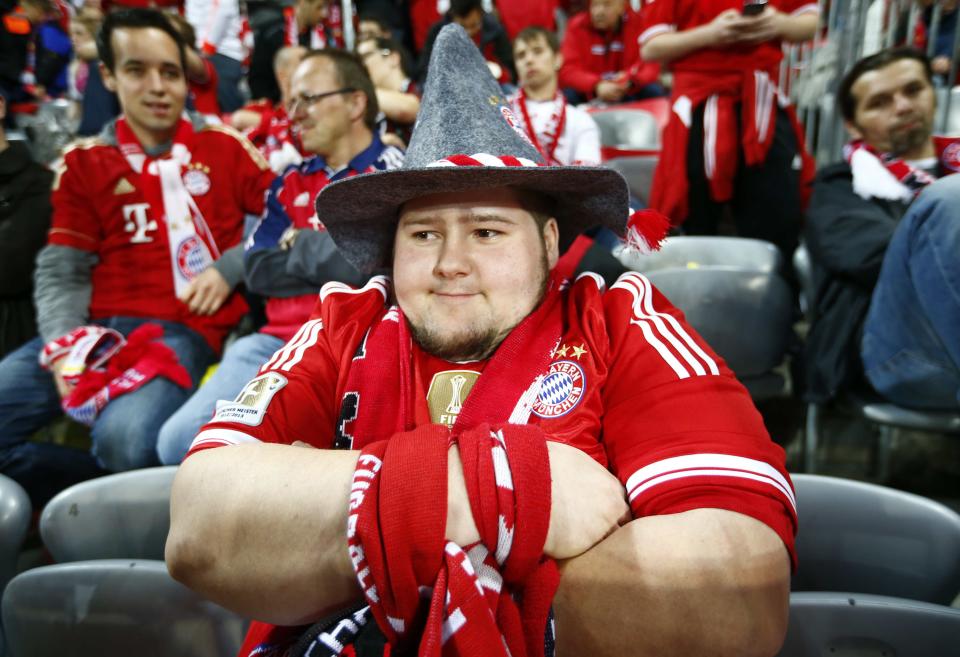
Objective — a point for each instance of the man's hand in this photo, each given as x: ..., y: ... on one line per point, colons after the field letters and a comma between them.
x: 727, y: 28
x: 63, y: 388
x: 766, y: 26
x: 611, y: 91
x: 587, y: 502
x: 206, y: 293
x: 288, y: 238
x: 940, y: 65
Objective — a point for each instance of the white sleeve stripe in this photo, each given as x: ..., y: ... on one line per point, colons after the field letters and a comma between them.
x: 596, y: 278
x: 302, y: 349
x: 674, y: 334
x: 283, y: 352
x: 654, y: 30
x: 222, y: 436
x: 661, y: 348
x: 379, y: 283
x: 708, y: 464
x: 809, y: 7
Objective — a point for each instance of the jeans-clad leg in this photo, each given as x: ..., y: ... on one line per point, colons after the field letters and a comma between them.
x: 911, y: 341
x: 240, y: 363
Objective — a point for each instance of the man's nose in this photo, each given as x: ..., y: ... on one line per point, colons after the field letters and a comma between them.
x: 453, y: 259
x: 902, y: 103
x: 155, y: 82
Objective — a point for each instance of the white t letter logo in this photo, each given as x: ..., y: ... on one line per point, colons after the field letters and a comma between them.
x: 135, y: 216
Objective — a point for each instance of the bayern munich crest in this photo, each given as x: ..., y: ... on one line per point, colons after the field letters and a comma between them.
x: 951, y: 156
x: 196, y: 181
x: 514, y: 123
x: 192, y: 257
x: 560, y: 391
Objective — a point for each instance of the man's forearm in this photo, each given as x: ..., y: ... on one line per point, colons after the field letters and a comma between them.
x: 704, y: 582
x: 667, y: 46
x: 802, y: 27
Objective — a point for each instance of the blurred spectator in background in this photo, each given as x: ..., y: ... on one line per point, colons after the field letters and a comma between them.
x: 943, y: 39
x: 290, y: 256
x: 273, y: 28
x: 601, y: 58
x: 201, y: 73
x: 145, y: 238
x: 98, y: 105
x: 24, y: 220
x: 563, y: 134
x: 485, y: 31
x: 884, y: 238
x: 267, y: 124
x: 372, y: 26
x: 48, y: 51
x: 732, y: 136
x: 517, y: 15
x: 218, y: 27
x: 398, y: 97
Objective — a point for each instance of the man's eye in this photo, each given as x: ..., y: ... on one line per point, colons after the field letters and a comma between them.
x: 423, y: 236
x: 486, y: 233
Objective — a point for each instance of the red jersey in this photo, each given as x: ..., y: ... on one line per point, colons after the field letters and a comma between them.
x: 590, y: 56
x: 519, y: 14
x: 204, y: 94
x: 98, y: 206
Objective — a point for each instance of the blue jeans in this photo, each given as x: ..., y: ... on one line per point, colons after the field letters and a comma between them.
x: 911, y: 338
x: 229, y: 74
x: 240, y: 363
x: 124, y: 434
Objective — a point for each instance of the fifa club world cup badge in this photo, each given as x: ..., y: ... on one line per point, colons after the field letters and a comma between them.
x: 560, y: 391
x: 196, y: 180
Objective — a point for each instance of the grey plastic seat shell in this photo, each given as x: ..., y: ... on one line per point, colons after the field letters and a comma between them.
x: 865, y: 538
x: 120, y: 516
x: 691, y: 251
x: 745, y: 317
x: 15, y: 511
x: 114, y: 608
x: 633, y: 129
x: 637, y: 170
x: 859, y: 625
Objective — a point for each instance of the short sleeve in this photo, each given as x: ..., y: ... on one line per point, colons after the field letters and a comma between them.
x: 797, y: 7
x: 658, y: 16
x: 74, y: 222
x: 680, y: 431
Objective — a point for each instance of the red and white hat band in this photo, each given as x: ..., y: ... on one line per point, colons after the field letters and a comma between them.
x: 483, y: 160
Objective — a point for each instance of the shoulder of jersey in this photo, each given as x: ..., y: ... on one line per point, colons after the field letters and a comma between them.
x: 340, y: 303
x: 232, y: 135
x: 84, y: 144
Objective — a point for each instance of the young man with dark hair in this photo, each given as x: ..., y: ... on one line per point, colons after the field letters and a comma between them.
x: 289, y: 255
x: 485, y: 31
x: 134, y: 290
x: 397, y: 95
x: 883, y: 230
x: 601, y: 58
x: 732, y: 137
x: 419, y: 455
x: 563, y: 134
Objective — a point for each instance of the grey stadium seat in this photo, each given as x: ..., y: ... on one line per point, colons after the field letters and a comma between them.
x: 864, y: 538
x: 691, y: 251
x: 114, y: 608
x: 120, y: 516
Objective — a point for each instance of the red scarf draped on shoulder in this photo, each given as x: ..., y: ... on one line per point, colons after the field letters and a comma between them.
x: 491, y: 598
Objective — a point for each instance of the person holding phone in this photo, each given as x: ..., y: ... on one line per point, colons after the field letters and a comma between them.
x: 732, y: 137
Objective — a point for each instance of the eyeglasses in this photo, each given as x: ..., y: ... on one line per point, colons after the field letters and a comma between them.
x: 306, y: 100
x: 383, y: 52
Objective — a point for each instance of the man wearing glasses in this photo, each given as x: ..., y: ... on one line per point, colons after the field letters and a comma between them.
x: 290, y: 256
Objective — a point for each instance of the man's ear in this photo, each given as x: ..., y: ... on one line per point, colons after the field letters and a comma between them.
x: 852, y: 130
x: 551, y: 241
x: 557, y: 61
x: 109, y: 81
x: 359, y: 105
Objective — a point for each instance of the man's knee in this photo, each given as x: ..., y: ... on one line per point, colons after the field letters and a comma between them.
x: 175, y: 437
x: 121, y: 444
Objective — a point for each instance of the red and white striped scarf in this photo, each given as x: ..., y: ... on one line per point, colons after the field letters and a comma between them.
x: 884, y: 175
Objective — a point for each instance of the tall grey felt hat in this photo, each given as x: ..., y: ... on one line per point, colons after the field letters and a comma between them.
x: 466, y: 138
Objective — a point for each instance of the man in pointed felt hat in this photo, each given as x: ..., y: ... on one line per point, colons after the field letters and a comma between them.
x: 483, y: 423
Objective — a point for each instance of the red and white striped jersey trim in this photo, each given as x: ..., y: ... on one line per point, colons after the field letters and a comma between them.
x: 808, y: 8
x: 663, y: 332
x: 211, y: 437
x: 708, y: 465
x: 654, y: 30
x: 483, y: 160
x: 292, y: 353
x: 379, y: 283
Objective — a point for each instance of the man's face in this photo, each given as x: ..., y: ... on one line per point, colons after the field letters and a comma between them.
x: 468, y: 267
x: 313, y: 12
x: 604, y: 14
x: 536, y: 63
x: 148, y: 78
x: 380, y: 63
x: 471, y: 23
x: 369, y: 30
x: 895, y: 107
x: 324, y: 122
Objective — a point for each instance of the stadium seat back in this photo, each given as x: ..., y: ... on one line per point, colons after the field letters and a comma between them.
x: 692, y: 251
x: 637, y: 170
x: 15, y: 513
x: 120, y: 516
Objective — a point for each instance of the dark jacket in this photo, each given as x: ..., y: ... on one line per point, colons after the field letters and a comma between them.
x: 494, y: 45
x: 24, y: 221
x: 847, y: 237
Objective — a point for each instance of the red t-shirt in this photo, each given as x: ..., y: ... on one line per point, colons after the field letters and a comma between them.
x: 98, y: 207
x: 661, y: 16
x: 205, y: 93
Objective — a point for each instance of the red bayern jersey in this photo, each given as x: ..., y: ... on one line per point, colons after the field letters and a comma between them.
x: 590, y: 56
x: 98, y: 206
x: 661, y: 16
x: 630, y: 383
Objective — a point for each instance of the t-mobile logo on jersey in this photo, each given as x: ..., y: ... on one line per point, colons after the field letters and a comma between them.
x: 138, y: 223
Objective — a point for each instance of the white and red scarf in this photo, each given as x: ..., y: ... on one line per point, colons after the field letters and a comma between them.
x: 491, y: 598
x: 547, y: 139
x: 191, y: 244
x: 886, y: 176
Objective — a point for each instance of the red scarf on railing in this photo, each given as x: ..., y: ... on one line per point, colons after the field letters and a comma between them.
x: 488, y: 598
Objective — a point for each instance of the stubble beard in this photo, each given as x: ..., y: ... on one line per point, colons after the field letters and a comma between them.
x: 912, y: 139
x: 475, y: 343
